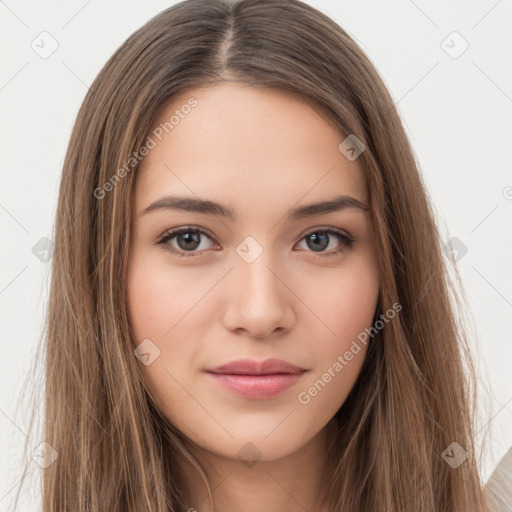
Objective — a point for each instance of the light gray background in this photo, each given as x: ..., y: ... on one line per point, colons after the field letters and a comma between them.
x: 457, y: 112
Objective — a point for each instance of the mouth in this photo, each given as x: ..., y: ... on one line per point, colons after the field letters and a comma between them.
x: 257, y: 380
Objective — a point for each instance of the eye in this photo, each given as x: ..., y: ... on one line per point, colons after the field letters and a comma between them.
x: 321, y: 239
x: 190, y: 241
x: 185, y: 240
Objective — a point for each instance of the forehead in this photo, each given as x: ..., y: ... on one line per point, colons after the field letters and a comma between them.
x: 238, y: 141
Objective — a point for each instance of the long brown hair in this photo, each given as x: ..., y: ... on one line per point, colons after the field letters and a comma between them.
x: 415, y: 395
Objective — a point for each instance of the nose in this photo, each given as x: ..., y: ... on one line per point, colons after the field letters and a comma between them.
x: 259, y: 302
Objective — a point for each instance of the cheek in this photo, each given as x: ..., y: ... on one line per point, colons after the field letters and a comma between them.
x: 352, y: 305
x: 344, y: 301
x: 160, y: 296
x: 346, y: 306
x: 340, y: 356
x: 326, y: 391
x: 166, y: 305
x: 160, y: 312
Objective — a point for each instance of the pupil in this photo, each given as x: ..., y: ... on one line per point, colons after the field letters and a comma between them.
x: 189, y: 238
x: 321, y: 241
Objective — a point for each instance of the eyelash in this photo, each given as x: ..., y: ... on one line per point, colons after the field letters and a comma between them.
x: 346, y: 242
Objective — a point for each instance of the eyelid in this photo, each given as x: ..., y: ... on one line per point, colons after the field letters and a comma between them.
x: 329, y: 229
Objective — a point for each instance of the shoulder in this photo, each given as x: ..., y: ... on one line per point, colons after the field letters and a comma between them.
x: 499, y: 485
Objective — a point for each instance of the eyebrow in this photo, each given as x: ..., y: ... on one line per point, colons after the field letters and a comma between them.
x: 206, y: 207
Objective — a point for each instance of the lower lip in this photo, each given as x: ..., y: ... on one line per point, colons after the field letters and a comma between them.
x: 257, y: 386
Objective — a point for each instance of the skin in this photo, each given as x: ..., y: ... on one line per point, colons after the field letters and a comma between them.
x: 260, y: 152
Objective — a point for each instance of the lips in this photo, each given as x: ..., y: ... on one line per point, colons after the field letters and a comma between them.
x: 249, y: 367
x: 256, y: 380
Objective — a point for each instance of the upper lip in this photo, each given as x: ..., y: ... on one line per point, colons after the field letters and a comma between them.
x: 250, y: 367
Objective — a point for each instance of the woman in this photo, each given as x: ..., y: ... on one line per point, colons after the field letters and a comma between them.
x: 249, y: 307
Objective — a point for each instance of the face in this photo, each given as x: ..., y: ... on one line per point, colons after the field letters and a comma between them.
x: 233, y: 266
